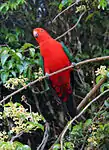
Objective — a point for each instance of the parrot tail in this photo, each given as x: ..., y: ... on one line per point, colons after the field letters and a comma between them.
x: 70, y: 106
x: 61, y: 84
x: 66, y: 97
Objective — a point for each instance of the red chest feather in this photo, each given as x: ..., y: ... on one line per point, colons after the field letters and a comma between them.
x: 53, y: 55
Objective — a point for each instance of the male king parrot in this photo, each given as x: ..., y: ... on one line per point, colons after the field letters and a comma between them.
x: 55, y: 56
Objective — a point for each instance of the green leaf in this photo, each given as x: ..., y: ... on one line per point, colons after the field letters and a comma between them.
x: 4, y: 76
x: 4, y: 58
x: 19, y: 55
x: 13, y: 73
x: 3, y: 6
x: 36, y: 62
x: 98, y: 78
x: 106, y: 103
x: 32, y: 52
x: 10, y: 64
x: 26, y: 147
x: 34, y: 124
x: 89, y: 16
x: 103, y: 86
x: 20, y: 68
x: 87, y: 123
x: 69, y: 145
x: 26, y: 64
x: 56, y: 147
x: 107, y: 74
x: 18, y: 143
x: 29, y: 72
x: 17, y: 104
x: 26, y: 46
x: 9, y: 104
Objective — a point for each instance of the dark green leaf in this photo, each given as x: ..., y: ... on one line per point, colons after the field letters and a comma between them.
x: 4, y: 58
x: 56, y: 147
x: 26, y: 147
x: 26, y: 45
x: 19, y: 55
x: 106, y: 103
x: 87, y: 123
x: 4, y: 76
x: 10, y: 64
x: 20, y: 68
x: 13, y: 73
x: 32, y: 52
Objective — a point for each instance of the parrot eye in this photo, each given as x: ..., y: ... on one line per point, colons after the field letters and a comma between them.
x: 42, y: 30
x: 35, y: 34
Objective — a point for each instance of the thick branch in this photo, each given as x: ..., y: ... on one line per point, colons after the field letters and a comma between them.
x: 69, y: 123
x: 91, y: 93
x: 61, y: 70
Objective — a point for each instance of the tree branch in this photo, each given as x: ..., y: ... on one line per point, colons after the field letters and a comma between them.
x: 71, y: 28
x: 91, y: 93
x: 66, y: 31
x: 45, y: 137
x: 65, y: 10
x: 56, y: 72
x: 16, y: 136
x: 69, y: 123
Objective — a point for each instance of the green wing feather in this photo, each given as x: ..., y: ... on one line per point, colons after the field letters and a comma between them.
x: 70, y: 57
x: 41, y: 62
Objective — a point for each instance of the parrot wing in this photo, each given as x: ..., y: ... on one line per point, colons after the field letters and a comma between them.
x: 41, y: 63
x: 66, y: 50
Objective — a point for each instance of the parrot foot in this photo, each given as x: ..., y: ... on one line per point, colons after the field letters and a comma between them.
x: 73, y: 64
x: 47, y: 75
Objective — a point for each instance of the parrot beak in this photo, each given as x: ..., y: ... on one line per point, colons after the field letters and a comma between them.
x: 35, y: 34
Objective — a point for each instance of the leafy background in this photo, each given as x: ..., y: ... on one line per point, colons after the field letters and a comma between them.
x: 19, y: 64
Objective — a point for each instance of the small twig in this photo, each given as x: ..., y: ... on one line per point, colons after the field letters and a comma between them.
x: 98, y: 112
x: 78, y: 96
x: 66, y: 31
x: 69, y: 123
x: 84, y: 142
x: 45, y: 137
x: 16, y: 136
x: 71, y: 28
x: 65, y: 10
x: 54, y: 73
x: 57, y: 140
x: 4, y: 45
x: 32, y: 117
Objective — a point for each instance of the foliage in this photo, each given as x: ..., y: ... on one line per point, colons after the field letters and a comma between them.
x: 11, y: 5
x: 17, y: 120
x: 14, y: 83
x: 13, y: 146
x: 93, y: 134
x: 14, y: 63
x: 100, y: 3
x: 19, y: 62
x: 101, y: 73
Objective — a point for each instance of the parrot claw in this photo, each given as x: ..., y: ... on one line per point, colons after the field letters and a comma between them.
x: 47, y: 75
x: 73, y: 64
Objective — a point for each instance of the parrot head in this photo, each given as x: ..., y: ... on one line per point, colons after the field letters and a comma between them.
x: 40, y: 35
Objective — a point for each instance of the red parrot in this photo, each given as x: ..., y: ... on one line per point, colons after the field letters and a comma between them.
x: 55, y: 58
